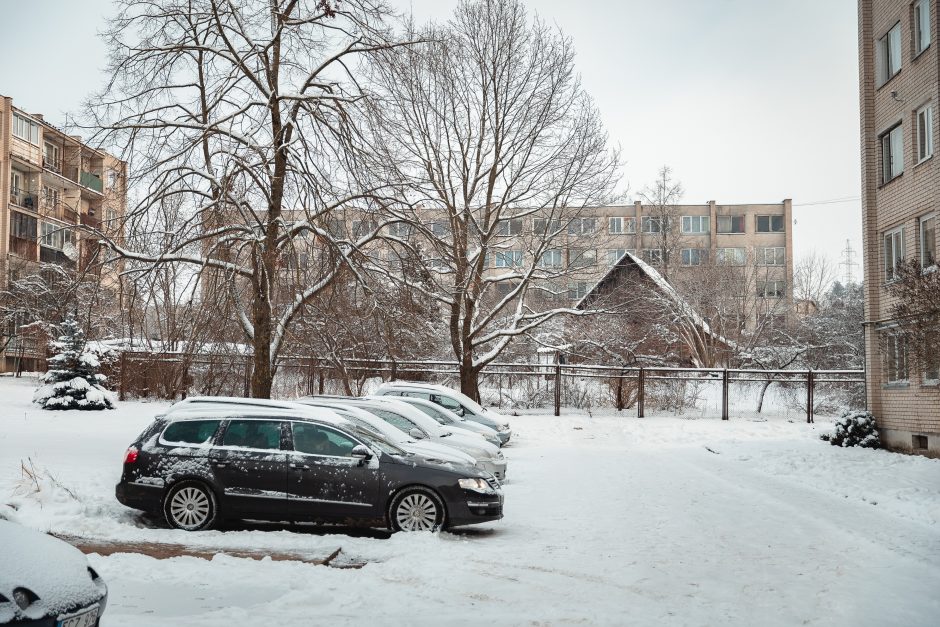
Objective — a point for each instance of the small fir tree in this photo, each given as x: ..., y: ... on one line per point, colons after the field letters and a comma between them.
x: 73, y: 380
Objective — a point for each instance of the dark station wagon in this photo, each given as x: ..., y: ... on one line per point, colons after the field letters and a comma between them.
x: 198, y: 467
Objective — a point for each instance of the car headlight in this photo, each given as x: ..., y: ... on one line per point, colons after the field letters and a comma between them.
x: 476, y: 484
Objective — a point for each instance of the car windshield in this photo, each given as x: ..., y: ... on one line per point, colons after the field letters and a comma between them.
x: 433, y: 413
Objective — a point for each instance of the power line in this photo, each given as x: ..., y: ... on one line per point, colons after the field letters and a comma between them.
x: 830, y: 201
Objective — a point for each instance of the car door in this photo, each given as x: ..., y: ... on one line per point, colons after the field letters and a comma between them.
x: 325, y: 481
x: 251, y: 468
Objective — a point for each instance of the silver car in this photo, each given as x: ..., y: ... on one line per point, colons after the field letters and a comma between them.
x: 448, y: 418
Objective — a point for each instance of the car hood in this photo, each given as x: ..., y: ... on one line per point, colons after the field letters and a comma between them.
x: 438, y: 451
x: 471, y: 444
x: 53, y: 570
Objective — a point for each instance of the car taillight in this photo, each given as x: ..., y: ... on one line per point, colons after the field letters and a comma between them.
x: 130, y: 457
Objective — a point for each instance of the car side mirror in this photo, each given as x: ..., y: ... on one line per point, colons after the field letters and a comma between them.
x: 416, y: 433
x: 361, y: 453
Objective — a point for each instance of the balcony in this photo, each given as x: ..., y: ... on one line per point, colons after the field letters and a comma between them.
x: 51, y: 255
x: 53, y: 165
x: 92, y: 182
x: 24, y: 199
x: 92, y: 221
x: 23, y: 248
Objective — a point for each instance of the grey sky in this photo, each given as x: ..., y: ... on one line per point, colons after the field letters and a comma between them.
x: 748, y: 101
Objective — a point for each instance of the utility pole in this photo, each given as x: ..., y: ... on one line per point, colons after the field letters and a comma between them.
x: 848, y: 264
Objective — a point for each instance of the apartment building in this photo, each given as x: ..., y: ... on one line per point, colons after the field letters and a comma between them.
x: 50, y: 184
x: 898, y: 80
x: 754, y: 239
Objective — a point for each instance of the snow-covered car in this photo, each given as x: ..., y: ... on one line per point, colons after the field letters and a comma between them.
x: 419, y: 425
x: 45, y: 582
x: 455, y: 401
x: 370, y: 421
x: 448, y: 418
x: 197, y: 466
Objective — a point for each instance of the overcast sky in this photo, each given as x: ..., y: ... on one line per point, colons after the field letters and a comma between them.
x: 747, y: 101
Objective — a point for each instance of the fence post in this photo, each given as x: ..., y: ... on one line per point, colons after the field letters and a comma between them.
x: 725, y: 384
x: 394, y: 374
x: 121, y: 392
x: 557, y: 387
x: 810, y: 389
x: 641, y: 393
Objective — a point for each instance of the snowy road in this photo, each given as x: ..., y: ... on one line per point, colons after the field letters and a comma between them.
x: 617, y: 521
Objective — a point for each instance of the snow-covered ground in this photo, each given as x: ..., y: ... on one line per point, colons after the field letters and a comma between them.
x: 609, y: 520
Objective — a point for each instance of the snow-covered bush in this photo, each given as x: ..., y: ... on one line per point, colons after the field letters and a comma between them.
x: 854, y: 428
x: 73, y: 380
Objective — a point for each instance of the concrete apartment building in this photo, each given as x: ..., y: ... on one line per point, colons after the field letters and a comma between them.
x: 898, y: 79
x: 50, y: 183
x: 756, y: 237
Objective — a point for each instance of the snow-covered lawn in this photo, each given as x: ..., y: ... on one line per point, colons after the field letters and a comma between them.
x: 609, y: 520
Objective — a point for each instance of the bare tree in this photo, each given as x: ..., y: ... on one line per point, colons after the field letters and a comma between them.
x: 241, y: 117
x: 661, y: 200
x: 813, y: 276
x: 917, y: 308
x: 499, y: 149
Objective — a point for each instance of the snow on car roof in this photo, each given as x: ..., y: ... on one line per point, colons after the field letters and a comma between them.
x: 258, y: 411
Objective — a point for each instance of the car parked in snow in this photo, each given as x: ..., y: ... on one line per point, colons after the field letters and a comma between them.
x: 448, y: 418
x: 199, y: 466
x: 420, y: 426
x: 46, y: 582
x: 455, y: 401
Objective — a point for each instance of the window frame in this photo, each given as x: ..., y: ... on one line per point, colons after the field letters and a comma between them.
x: 887, y: 142
x: 935, y: 216
x: 581, y: 258
x: 574, y: 293
x: 888, y: 50
x: 647, y: 256
x: 699, y: 219
x: 923, y: 117
x: 686, y: 256
x: 779, y: 291
x: 550, y: 226
x: 581, y: 230
x: 662, y: 224
x: 896, y: 358
x: 515, y: 258
x: 31, y: 126
x: 509, y: 227
x: 613, y: 259
x: 722, y: 257
x: 734, y: 220
x: 921, y: 10
x: 779, y: 254
x: 771, y: 218
x: 210, y: 441
x: 897, y: 259
x: 556, y: 253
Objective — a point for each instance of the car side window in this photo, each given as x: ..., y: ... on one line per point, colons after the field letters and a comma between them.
x: 318, y: 440
x: 449, y: 403
x: 191, y: 431
x: 259, y: 434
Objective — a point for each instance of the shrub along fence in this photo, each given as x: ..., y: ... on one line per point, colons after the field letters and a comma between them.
x: 529, y: 385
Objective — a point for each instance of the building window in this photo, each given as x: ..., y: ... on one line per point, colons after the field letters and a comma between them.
x: 694, y: 256
x: 582, y: 258
x: 652, y: 256
x: 508, y: 259
x: 652, y: 224
x: 57, y: 237
x: 924, y: 133
x: 776, y: 256
x: 400, y: 229
x: 730, y: 224
x: 695, y: 225
x: 928, y: 240
x: 24, y: 128
x: 771, y: 289
x: 50, y: 157
x: 542, y: 226
x: 614, y: 255
x: 892, y: 153
x: 551, y: 258
x: 362, y: 228
x: 503, y: 288
x: 509, y: 226
x: 619, y: 226
x: 770, y: 224
x: 921, y: 30
x: 582, y: 226
x: 578, y: 290
x: 931, y: 364
x: 894, y: 252
x: 437, y: 228
x: 895, y: 355
x: 732, y: 256
x: 888, y: 54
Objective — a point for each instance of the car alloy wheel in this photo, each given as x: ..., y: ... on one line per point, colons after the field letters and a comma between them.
x: 190, y: 506
x: 417, y: 510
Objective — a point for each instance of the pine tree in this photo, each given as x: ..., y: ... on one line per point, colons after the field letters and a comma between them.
x: 73, y: 380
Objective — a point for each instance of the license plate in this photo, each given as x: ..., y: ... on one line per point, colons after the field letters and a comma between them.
x: 86, y: 619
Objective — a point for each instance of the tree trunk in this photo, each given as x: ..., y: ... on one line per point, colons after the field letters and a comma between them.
x: 262, y: 374
x: 760, y: 398
x: 470, y: 381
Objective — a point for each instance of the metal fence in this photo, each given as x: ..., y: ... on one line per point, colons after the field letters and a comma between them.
x: 171, y: 375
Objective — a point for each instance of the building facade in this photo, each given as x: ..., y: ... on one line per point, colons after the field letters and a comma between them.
x: 51, y: 184
x: 898, y: 80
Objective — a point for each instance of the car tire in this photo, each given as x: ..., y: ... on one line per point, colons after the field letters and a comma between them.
x: 190, y: 506
x: 417, y: 509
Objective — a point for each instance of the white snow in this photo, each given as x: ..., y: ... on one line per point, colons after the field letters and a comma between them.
x: 610, y: 520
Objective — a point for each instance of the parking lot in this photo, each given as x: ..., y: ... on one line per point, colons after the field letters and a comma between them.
x: 608, y: 520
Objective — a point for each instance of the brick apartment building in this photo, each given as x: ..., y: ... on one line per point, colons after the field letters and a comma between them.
x: 50, y: 183
x: 898, y: 79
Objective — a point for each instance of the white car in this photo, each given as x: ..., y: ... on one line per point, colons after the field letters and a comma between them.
x: 448, y: 418
x: 419, y: 425
x: 367, y: 420
x: 455, y: 401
